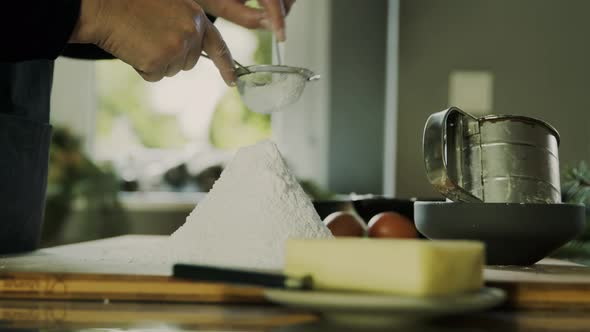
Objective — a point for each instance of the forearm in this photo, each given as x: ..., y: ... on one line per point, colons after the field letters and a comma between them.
x: 157, y: 38
x: 93, y: 52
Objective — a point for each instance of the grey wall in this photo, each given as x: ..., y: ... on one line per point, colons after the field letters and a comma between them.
x: 537, y: 50
x: 357, y: 96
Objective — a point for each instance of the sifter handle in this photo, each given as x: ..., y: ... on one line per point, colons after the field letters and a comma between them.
x: 437, y: 153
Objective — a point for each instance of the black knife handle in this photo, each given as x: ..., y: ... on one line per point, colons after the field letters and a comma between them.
x: 236, y: 276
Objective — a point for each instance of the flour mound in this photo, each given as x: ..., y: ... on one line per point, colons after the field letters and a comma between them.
x: 247, y: 217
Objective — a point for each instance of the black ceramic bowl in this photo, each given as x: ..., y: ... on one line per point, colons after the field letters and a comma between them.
x: 325, y: 207
x: 514, y: 234
x: 368, y: 206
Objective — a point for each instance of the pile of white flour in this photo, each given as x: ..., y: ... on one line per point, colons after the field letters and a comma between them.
x: 245, y: 220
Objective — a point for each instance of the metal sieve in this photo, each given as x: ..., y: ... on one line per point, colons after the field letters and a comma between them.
x: 269, y: 88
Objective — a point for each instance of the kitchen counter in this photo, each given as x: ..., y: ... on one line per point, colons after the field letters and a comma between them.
x: 85, y: 316
x: 75, y: 288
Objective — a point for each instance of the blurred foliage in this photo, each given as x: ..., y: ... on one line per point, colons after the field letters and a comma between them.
x: 74, y: 177
x: 179, y: 178
x: 234, y: 125
x: 315, y: 191
x: 576, y: 184
x: 263, y: 53
x: 576, y: 189
x: 122, y: 93
x: 207, y: 177
x: 253, y: 3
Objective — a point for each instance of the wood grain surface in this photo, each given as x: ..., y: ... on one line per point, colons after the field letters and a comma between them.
x: 69, y: 315
x: 87, y: 271
x: 549, y: 284
x: 81, y: 271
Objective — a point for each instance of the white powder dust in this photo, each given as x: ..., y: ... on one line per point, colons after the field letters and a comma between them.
x: 265, y: 92
x: 245, y: 220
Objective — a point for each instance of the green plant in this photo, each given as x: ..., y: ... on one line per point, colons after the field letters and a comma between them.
x: 576, y: 189
x: 315, y: 191
x: 122, y: 94
x: 233, y: 124
x: 74, y: 178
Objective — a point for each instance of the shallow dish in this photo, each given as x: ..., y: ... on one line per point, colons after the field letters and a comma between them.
x: 365, y: 309
x: 514, y: 234
x: 368, y: 206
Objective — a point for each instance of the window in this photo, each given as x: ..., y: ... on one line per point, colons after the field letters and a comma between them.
x: 122, y: 135
x: 193, y: 119
x: 190, y: 121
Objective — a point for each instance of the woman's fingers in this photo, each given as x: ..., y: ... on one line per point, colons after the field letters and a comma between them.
x: 217, y: 50
x: 276, y: 12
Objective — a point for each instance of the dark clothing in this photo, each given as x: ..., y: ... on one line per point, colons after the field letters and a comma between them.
x: 33, y: 33
x: 85, y: 51
x: 37, y: 29
x: 24, y: 145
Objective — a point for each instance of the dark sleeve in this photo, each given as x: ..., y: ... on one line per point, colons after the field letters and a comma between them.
x: 86, y: 51
x: 36, y: 29
x: 93, y: 52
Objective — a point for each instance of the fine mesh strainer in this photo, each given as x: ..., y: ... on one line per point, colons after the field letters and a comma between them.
x: 268, y: 88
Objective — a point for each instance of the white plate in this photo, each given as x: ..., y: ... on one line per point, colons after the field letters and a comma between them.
x: 378, y: 309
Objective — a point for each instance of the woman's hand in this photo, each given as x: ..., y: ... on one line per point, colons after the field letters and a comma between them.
x: 156, y: 37
x: 271, y: 16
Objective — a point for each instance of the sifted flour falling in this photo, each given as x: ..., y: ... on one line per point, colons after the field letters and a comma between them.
x: 265, y: 92
x: 248, y: 215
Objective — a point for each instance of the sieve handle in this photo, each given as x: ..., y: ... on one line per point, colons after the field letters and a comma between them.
x: 275, y: 40
x: 242, y: 68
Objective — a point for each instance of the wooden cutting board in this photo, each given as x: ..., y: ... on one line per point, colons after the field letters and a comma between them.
x: 549, y: 284
x: 84, y: 272
x: 81, y: 271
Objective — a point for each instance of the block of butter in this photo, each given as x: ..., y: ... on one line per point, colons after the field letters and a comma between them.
x: 393, y: 266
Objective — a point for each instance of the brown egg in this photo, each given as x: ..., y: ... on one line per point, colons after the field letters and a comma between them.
x: 345, y: 224
x: 391, y: 225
